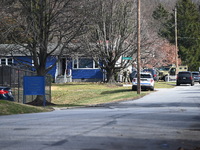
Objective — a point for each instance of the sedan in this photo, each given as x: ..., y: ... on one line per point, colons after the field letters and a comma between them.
x: 146, y: 81
x: 6, y: 93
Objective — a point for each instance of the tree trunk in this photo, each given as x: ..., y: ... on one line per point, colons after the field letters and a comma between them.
x: 110, y: 76
x: 39, y: 100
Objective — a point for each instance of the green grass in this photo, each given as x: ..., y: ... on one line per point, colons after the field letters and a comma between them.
x: 83, y: 94
x: 162, y: 84
x: 9, y: 108
x: 80, y: 94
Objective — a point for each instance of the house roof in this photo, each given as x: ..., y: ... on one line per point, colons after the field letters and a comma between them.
x: 7, y: 49
x: 22, y: 50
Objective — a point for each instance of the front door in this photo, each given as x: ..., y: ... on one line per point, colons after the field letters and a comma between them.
x: 63, y: 64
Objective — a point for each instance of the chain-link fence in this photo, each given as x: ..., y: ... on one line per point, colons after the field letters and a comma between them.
x: 13, y: 77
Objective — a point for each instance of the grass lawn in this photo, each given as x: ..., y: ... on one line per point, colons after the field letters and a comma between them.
x: 162, y: 84
x: 82, y: 94
x: 9, y: 108
x: 79, y: 94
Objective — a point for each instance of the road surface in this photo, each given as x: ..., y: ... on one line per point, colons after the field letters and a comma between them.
x: 163, y: 120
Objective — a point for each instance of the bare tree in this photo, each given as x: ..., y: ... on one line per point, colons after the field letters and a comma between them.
x: 163, y: 54
x: 112, y: 35
x: 47, y: 26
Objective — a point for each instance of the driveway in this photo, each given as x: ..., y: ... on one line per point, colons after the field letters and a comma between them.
x: 163, y: 120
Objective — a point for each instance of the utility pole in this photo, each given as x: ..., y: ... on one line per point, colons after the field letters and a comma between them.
x: 176, y: 41
x: 138, y: 48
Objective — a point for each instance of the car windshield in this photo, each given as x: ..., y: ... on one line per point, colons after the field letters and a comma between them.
x: 144, y: 76
x: 184, y: 74
x: 164, y: 69
x: 195, y: 73
x: 147, y: 70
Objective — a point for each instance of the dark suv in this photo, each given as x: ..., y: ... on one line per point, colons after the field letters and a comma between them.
x: 153, y: 72
x: 184, y: 77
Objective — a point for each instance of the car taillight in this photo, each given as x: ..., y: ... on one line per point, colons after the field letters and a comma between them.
x: 151, y: 80
x: 191, y: 78
x: 3, y: 92
x: 155, y: 75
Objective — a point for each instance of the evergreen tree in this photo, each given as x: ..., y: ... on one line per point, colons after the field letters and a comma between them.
x: 160, y: 14
x: 189, y: 32
x: 188, y: 25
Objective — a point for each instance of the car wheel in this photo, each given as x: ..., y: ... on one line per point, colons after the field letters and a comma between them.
x: 177, y: 84
x: 152, y: 89
x: 192, y: 84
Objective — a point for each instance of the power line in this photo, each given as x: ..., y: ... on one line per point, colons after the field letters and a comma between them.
x: 189, y: 38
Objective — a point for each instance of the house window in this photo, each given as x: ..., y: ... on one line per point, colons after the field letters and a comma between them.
x: 6, y: 61
x: 10, y: 61
x: 3, y: 61
x: 84, y: 63
x: 75, y: 63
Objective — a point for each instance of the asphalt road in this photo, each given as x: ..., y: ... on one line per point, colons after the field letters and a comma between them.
x: 164, y: 120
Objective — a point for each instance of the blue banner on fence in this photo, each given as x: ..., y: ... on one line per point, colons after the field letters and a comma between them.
x: 34, y: 85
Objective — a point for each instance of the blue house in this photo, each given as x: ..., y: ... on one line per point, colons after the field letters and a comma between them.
x: 67, y: 69
x: 78, y: 69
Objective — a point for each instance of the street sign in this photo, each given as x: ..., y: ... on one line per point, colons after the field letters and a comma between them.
x: 127, y: 58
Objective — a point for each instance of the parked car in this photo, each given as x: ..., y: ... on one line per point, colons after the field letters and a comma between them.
x: 6, y: 93
x: 184, y: 77
x: 153, y: 72
x: 146, y: 81
x: 196, y: 76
